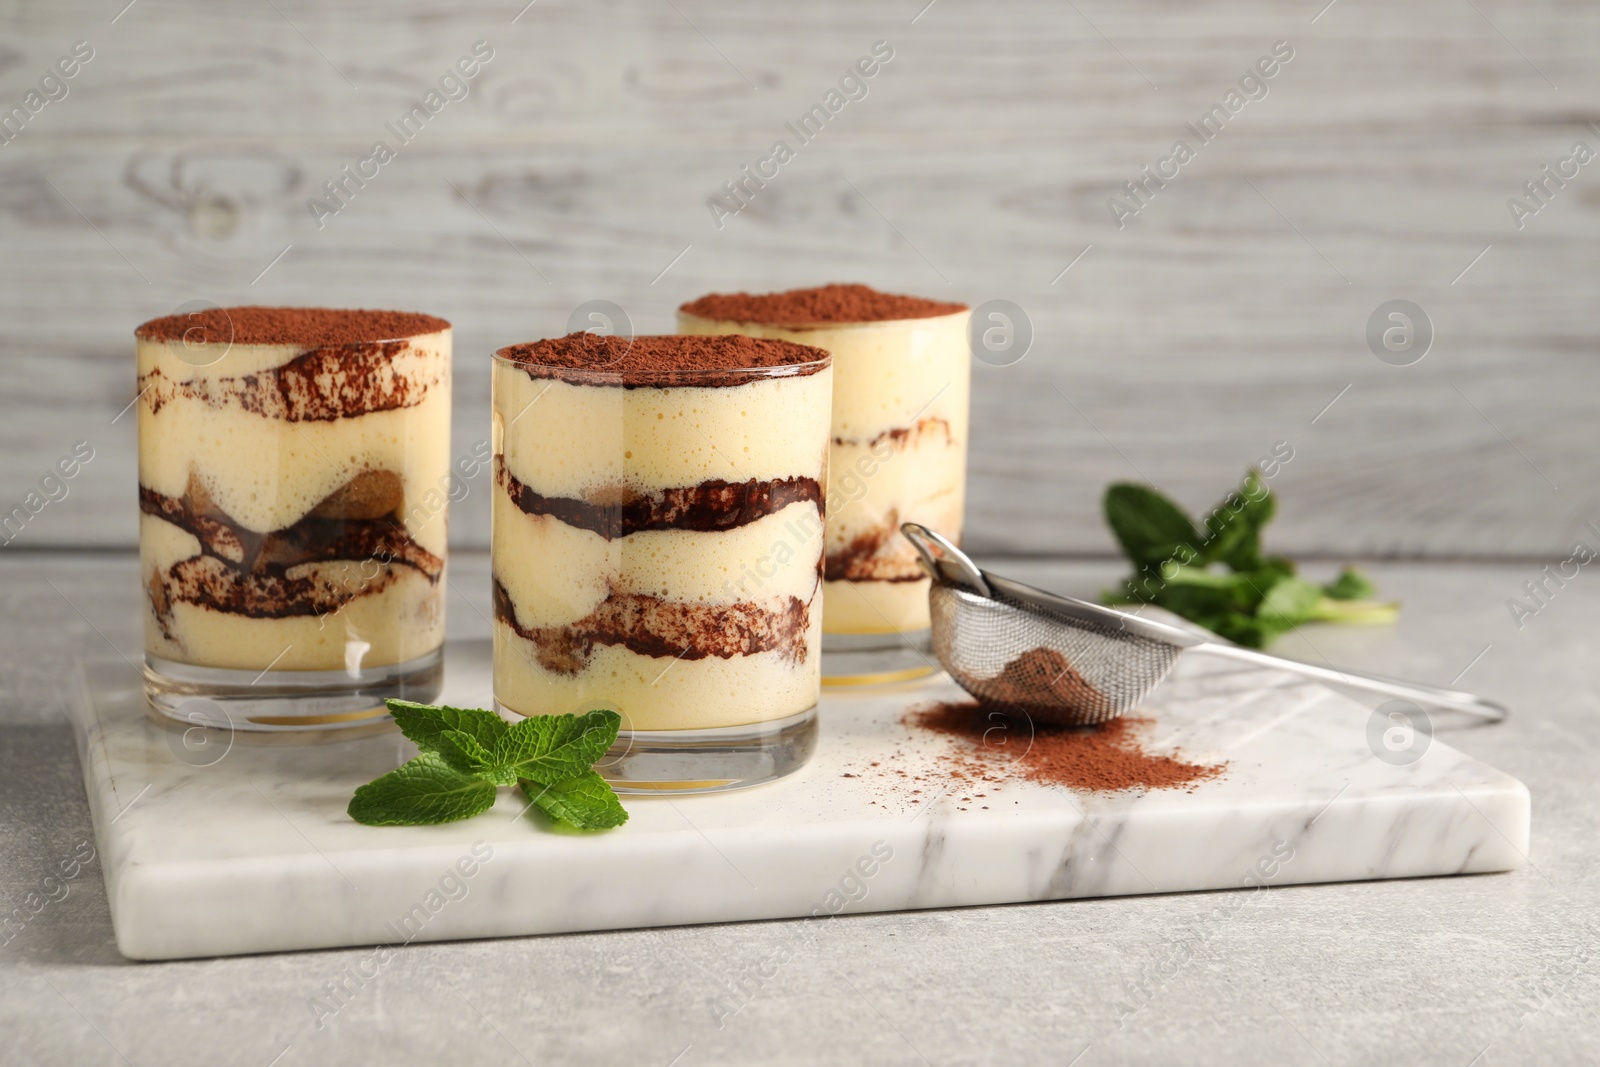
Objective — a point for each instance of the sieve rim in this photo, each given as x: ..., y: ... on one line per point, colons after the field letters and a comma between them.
x: 1031, y: 598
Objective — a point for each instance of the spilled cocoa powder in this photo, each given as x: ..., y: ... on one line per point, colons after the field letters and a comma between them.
x: 1007, y: 745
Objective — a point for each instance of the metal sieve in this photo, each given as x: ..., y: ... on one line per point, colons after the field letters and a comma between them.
x: 1072, y: 662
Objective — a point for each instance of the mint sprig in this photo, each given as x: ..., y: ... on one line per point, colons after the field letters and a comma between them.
x: 467, y: 754
x: 1215, y: 574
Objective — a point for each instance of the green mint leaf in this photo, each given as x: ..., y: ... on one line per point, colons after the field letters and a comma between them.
x: 1253, y: 585
x: 1150, y: 528
x: 1290, y: 602
x: 1277, y: 565
x: 466, y: 754
x: 424, y: 791
x: 1234, y: 526
x: 425, y: 723
x: 586, y: 802
x: 1241, y: 629
x: 553, y: 748
x: 1197, y: 602
x: 1350, y: 585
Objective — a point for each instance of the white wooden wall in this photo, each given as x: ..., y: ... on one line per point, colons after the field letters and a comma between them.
x: 1223, y: 318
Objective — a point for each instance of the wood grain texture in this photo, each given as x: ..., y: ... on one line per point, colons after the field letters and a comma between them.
x: 1224, y: 317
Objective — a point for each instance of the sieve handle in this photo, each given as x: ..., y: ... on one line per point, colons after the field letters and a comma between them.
x: 1453, y: 699
x: 943, y: 561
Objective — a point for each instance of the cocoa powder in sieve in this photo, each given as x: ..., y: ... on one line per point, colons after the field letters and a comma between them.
x: 1028, y: 682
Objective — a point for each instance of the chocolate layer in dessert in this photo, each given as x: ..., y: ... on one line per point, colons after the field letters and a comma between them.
x: 873, y: 556
x: 819, y: 306
x: 901, y: 436
x: 316, y: 386
x: 651, y: 626
x: 712, y: 505
x: 266, y: 576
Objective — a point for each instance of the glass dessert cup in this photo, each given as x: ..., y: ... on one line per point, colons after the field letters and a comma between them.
x: 657, y: 549
x: 293, y: 483
x: 898, y: 449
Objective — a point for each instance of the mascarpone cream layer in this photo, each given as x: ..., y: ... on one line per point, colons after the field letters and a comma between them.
x: 875, y: 487
x: 876, y: 607
x: 556, y: 574
x: 886, y: 375
x: 567, y: 440
x: 660, y: 693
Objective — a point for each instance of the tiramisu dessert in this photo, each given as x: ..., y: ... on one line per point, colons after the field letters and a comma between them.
x: 658, y: 544
x: 899, y: 447
x: 293, y: 478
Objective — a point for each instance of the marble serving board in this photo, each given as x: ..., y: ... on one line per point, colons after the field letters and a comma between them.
x: 239, y: 846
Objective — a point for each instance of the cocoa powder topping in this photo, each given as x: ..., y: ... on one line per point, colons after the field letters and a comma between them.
x: 303, y: 327
x: 666, y: 360
x: 821, y: 306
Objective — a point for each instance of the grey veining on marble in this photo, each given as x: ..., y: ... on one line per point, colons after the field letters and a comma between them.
x: 236, y: 846
x: 1414, y: 971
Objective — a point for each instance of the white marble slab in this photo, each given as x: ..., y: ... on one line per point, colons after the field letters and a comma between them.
x: 253, y: 852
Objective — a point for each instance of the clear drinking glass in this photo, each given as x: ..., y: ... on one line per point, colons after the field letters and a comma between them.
x: 898, y: 453
x: 293, y: 483
x: 658, y: 546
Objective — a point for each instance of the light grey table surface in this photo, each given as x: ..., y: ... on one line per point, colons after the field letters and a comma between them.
x: 1480, y: 970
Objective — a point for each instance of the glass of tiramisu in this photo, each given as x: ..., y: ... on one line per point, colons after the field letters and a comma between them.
x: 658, y: 547
x: 293, y: 479
x: 898, y: 454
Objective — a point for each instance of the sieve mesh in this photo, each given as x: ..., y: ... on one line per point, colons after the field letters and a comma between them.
x: 1057, y: 668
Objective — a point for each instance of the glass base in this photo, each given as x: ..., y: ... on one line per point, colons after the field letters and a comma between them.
x: 709, y: 761
x: 877, y: 659
x: 287, y: 700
